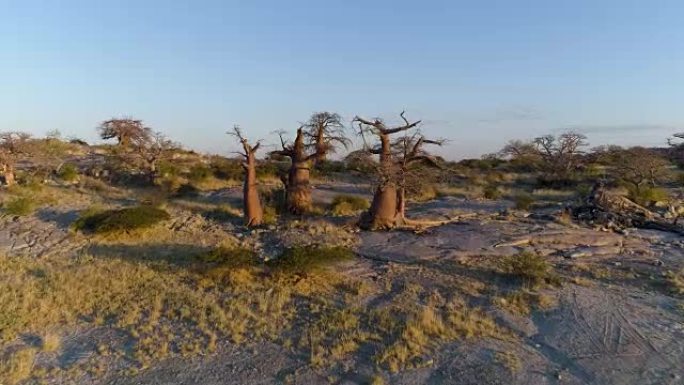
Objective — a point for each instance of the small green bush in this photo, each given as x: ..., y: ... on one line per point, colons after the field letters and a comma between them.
x: 523, y: 201
x: 68, y: 172
x: 530, y: 267
x: 235, y: 257
x: 491, y: 192
x: 274, y: 199
x: 646, y: 196
x: 19, y: 206
x: 120, y: 220
x: 199, y: 173
x: 227, y: 169
x: 348, y: 205
x: 304, y: 259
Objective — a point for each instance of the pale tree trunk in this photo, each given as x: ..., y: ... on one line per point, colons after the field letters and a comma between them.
x: 254, y: 213
x: 383, y: 210
x: 298, y: 188
x: 8, y: 175
x: 401, y: 203
x: 321, y: 148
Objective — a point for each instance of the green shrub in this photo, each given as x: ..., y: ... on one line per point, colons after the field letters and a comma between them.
x: 304, y: 259
x: 646, y: 196
x: 491, y: 192
x: 235, y: 257
x: 275, y: 199
x: 167, y: 169
x: 68, y: 172
x: 199, y: 173
x: 529, y: 267
x: 19, y: 206
x: 120, y: 220
x: 228, y: 169
x: 348, y: 205
x: 523, y: 201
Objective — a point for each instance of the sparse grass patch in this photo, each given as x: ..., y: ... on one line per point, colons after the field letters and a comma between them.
x: 343, y: 205
x: 50, y: 341
x: 68, y: 172
x: 509, y: 360
x: 300, y: 259
x: 491, y: 191
x: 675, y: 282
x: 234, y: 257
x: 523, y: 201
x: 120, y: 220
x: 17, y: 367
x: 530, y: 268
x: 20, y: 206
x: 223, y: 213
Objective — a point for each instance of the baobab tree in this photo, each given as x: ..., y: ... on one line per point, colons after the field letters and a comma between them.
x: 383, y: 212
x: 411, y: 161
x: 254, y: 213
x: 297, y: 187
x: 124, y: 130
x: 325, y: 131
x: 12, y: 145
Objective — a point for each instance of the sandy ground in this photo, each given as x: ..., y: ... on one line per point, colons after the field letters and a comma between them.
x: 618, y: 327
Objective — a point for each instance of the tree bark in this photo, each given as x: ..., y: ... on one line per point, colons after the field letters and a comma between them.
x: 383, y: 211
x: 8, y: 175
x: 254, y: 213
x: 298, y: 188
x: 321, y: 147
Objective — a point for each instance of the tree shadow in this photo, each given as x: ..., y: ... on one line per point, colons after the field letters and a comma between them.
x: 63, y: 219
x: 181, y: 255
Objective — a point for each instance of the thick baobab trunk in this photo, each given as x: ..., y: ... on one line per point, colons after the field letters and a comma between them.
x: 321, y: 147
x: 401, y: 203
x: 8, y: 175
x: 298, y: 187
x: 254, y: 213
x: 383, y: 210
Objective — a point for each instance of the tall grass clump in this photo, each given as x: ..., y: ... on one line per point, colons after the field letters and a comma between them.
x: 19, y: 206
x: 345, y: 204
x: 531, y: 268
x: 120, y: 220
x: 302, y: 259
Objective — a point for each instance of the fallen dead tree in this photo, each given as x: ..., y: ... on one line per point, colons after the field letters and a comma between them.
x: 615, y: 212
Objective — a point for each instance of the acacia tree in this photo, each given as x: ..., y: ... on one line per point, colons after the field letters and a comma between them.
x: 637, y: 166
x: 12, y: 145
x: 297, y: 187
x: 560, y: 155
x: 383, y: 212
x: 254, y: 213
x: 125, y: 131
x: 324, y: 131
x: 150, y: 149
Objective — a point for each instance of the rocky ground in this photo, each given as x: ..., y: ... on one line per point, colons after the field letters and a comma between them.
x: 611, y: 320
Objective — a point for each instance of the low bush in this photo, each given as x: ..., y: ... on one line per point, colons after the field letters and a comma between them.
x: 120, y: 220
x: 647, y: 196
x: 199, y: 173
x: 274, y: 199
x: 234, y: 257
x: 342, y: 205
x: 68, y: 172
x: 19, y: 206
x: 523, y: 201
x: 491, y: 192
x: 303, y: 259
x: 224, y: 168
x: 530, y: 268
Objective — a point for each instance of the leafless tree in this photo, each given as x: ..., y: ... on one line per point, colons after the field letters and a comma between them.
x: 325, y: 131
x: 384, y: 209
x: 411, y: 161
x: 297, y: 187
x: 637, y: 166
x: 149, y: 150
x: 124, y: 130
x: 253, y: 211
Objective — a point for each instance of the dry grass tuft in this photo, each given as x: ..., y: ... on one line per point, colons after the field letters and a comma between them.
x: 17, y: 366
x: 344, y: 205
x: 531, y: 268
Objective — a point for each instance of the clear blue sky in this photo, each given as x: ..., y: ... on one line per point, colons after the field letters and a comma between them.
x: 477, y: 72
